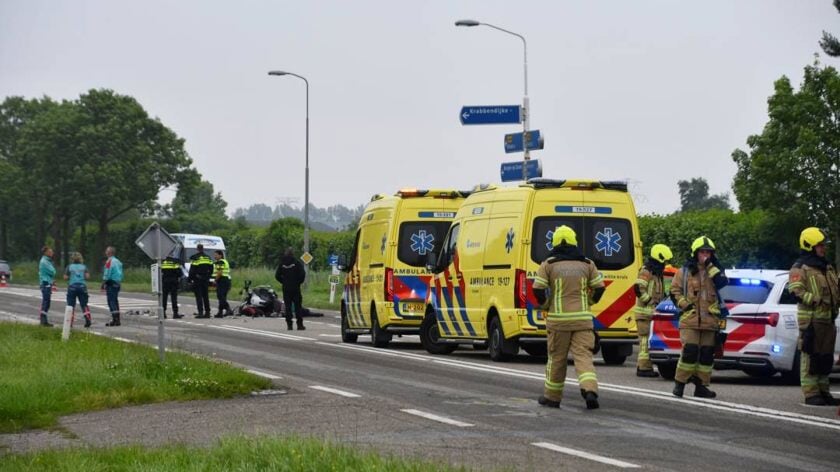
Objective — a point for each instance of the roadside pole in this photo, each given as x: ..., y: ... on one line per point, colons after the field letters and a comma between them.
x: 157, y: 244
x: 161, y: 349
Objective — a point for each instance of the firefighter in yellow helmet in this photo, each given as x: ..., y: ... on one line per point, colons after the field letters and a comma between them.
x: 650, y: 290
x: 566, y: 285
x: 813, y: 281
x: 694, y: 291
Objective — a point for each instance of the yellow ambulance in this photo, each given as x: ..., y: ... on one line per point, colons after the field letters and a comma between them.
x: 481, y: 291
x: 387, y: 280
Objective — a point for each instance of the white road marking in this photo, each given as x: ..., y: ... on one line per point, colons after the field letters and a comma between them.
x: 18, y: 318
x: 586, y: 455
x: 440, y: 419
x: 125, y: 340
x: 264, y: 374
x: 262, y: 333
x: 330, y: 335
x: 383, y: 352
x: 335, y: 391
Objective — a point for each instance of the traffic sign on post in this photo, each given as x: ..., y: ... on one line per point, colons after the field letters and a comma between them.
x: 515, y: 142
x: 512, y: 171
x: 490, y: 115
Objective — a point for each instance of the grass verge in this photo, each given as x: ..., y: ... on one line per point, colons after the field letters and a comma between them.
x: 228, y: 454
x: 42, y: 378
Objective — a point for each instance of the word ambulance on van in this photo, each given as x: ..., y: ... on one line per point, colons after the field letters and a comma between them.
x: 386, y: 286
x: 481, y: 293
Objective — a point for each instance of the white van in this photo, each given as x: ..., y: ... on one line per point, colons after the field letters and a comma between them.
x: 188, y: 247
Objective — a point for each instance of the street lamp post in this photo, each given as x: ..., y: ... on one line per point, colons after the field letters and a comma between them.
x: 526, y: 110
x: 306, y: 198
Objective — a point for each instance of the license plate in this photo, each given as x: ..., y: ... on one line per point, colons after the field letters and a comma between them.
x: 413, y: 307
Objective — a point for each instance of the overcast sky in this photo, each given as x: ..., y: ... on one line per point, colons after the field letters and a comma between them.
x: 647, y: 91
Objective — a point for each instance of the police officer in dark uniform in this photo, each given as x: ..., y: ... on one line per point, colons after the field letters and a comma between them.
x: 291, y: 274
x: 201, y: 269
x: 171, y: 273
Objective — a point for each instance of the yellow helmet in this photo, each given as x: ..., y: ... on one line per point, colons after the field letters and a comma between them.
x: 702, y: 242
x: 810, y: 237
x: 564, y: 234
x: 661, y: 253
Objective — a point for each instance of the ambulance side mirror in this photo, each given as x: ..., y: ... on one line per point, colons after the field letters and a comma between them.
x: 342, y: 263
x: 432, y: 262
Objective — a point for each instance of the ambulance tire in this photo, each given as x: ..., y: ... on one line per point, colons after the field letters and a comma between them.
x: 349, y: 338
x: 430, y: 336
x: 501, y: 350
x: 611, y: 354
x: 378, y: 336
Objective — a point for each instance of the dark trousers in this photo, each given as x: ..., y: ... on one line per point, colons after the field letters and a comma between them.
x: 222, y: 289
x: 170, y: 290
x: 293, y: 300
x: 77, y: 291
x: 46, y: 296
x: 112, y: 292
x: 202, y: 296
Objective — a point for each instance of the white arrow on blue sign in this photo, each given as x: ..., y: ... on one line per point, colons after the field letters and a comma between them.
x: 512, y: 171
x: 491, y: 115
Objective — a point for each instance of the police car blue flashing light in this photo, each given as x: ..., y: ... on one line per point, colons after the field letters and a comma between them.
x: 749, y: 282
x: 776, y: 349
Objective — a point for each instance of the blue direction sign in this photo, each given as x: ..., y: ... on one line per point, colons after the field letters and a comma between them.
x: 491, y: 115
x: 515, y: 143
x: 512, y: 171
x: 332, y: 259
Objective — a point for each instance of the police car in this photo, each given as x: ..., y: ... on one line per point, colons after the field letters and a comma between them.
x: 762, y: 331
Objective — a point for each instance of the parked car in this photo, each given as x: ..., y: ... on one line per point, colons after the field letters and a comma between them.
x: 762, y: 330
x: 6, y: 270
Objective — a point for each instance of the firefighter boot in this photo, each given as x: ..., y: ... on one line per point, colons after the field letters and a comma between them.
x: 300, y: 326
x: 816, y: 400
x: 289, y: 325
x: 45, y: 321
x: 679, y: 388
x: 591, y: 399
x: 646, y: 373
x: 549, y: 403
x: 829, y: 400
x: 702, y: 391
x: 115, y: 320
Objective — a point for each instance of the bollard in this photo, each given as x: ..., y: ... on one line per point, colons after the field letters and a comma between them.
x: 68, y: 318
x: 3, y: 281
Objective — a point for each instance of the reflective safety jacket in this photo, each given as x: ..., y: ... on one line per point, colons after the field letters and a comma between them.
x: 201, y: 267
x: 649, y: 292
x: 113, y: 270
x: 814, y: 283
x: 222, y: 269
x: 46, y: 271
x: 699, y: 301
x: 571, y: 283
x: 171, y: 269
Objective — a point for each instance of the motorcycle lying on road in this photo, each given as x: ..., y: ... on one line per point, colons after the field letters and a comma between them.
x: 260, y: 301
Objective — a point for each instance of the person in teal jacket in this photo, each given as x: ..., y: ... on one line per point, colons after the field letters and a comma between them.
x: 112, y: 277
x: 46, y: 279
x: 76, y: 276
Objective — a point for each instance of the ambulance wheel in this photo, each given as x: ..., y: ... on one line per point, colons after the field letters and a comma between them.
x: 501, y: 350
x: 430, y: 337
x: 612, y: 355
x: 346, y: 337
x: 378, y: 336
x: 536, y: 349
x: 668, y: 370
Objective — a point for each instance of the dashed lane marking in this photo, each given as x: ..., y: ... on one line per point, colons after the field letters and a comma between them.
x: 262, y: 333
x: 438, y: 418
x: 264, y: 374
x: 586, y: 455
x: 334, y: 391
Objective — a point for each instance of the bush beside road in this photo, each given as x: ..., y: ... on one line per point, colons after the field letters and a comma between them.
x: 42, y: 378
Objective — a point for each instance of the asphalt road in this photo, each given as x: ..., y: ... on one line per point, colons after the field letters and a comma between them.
x: 465, y: 409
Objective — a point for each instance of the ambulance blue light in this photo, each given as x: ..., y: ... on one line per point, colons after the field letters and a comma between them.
x: 776, y: 349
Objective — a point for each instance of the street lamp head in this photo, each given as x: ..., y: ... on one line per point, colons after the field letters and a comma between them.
x: 467, y: 23
x: 277, y: 72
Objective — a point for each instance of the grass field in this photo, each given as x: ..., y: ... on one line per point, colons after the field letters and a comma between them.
x: 138, y: 279
x: 42, y: 378
x: 275, y: 454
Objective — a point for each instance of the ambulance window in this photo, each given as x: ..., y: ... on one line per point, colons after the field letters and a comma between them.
x: 543, y: 231
x: 608, y: 242
x: 355, y: 253
x: 418, y: 239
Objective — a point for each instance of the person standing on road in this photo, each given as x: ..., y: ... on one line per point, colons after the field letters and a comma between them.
x: 650, y: 290
x: 76, y: 276
x: 112, y: 277
x: 171, y: 273
x: 574, y: 284
x: 222, y: 269
x: 813, y: 281
x: 694, y: 291
x: 201, y: 269
x: 46, y: 280
x: 291, y: 274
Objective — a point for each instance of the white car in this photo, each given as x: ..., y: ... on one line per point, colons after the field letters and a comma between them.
x: 762, y: 331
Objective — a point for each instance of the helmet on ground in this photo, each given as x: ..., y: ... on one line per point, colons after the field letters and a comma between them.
x: 811, y: 237
x: 564, y: 234
x: 661, y: 253
x: 702, y: 242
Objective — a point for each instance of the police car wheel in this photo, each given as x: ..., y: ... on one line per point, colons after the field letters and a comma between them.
x: 499, y: 348
x: 430, y: 337
x: 378, y: 336
x: 346, y: 337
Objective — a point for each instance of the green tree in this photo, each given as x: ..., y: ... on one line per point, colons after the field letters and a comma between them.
x: 197, y: 208
x: 829, y: 43
x: 694, y: 196
x: 793, y: 166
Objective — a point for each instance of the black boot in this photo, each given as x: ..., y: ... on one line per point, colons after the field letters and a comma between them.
x: 549, y: 403
x: 702, y: 391
x: 591, y: 399
x: 87, y: 320
x: 679, y: 389
x: 816, y: 400
x: 45, y: 322
x: 289, y: 325
x: 646, y: 373
x: 829, y: 400
x: 115, y: 320
x: 219, y: 314
x: 300, y: 326
x: 176, y: 316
